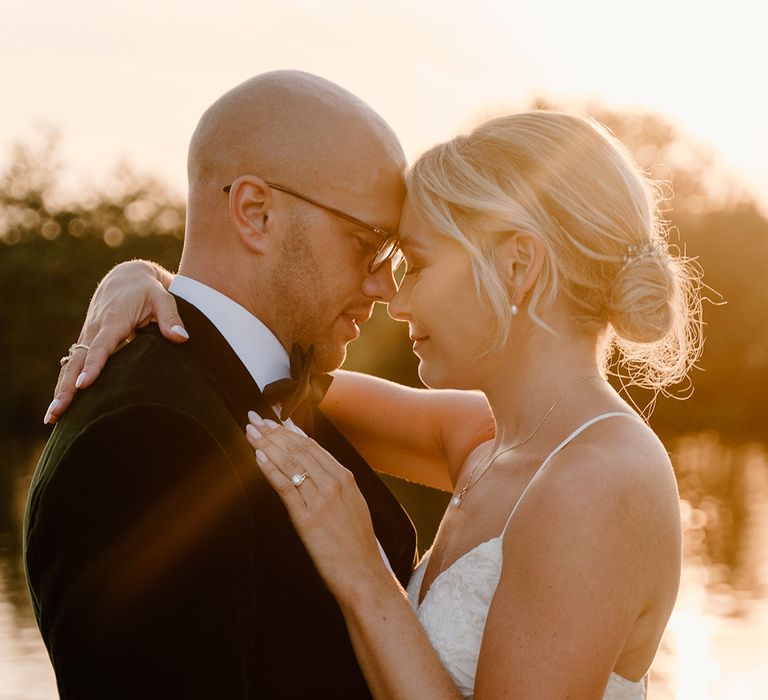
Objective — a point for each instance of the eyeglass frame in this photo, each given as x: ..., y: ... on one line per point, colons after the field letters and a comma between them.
x: 388, y: 237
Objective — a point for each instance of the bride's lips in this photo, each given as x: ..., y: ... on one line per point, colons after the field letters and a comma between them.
x: 418, y: 341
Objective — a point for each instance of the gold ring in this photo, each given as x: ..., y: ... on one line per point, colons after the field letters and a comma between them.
x: 75, y: 346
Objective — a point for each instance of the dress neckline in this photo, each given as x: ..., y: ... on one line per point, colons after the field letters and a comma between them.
x: 419, y: 599
x: 596, y: 419
x: 419, y: 603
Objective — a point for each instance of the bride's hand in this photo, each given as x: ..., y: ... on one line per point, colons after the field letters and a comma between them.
x: 324, y: 504
x: 131, y: 295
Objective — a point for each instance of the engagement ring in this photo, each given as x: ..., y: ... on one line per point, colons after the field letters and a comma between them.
x: 298, y: 479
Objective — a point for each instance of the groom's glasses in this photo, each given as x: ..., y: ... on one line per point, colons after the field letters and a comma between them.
x: 388, y: 247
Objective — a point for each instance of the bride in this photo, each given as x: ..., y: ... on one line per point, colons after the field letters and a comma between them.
x: 536, y: 257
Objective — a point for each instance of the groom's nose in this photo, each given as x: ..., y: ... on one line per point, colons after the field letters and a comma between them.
x: 380, y: 285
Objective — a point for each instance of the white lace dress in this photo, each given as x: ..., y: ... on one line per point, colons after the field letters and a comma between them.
x: 455, y: 608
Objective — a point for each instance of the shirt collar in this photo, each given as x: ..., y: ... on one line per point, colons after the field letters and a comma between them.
x: 257, y: 347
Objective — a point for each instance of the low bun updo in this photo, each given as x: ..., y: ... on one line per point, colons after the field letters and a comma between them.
x: 568, y: 181
x: 641, y: 302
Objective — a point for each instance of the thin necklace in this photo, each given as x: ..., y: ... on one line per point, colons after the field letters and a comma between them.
x: 457, y: 499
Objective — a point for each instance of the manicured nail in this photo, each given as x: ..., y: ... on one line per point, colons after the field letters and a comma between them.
x: 270, y: 423
x: 180, y: 331
x: 80, y: 379
x: 255, y: 418
x: 261, y: 456
x: 253, y: 431
x: 49, y: 413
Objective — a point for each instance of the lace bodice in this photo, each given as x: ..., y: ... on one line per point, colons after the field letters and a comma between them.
x: 455, y: 608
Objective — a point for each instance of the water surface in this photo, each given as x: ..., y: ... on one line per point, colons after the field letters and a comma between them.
x: 716, y: 645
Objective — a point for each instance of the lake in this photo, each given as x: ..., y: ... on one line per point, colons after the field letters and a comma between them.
x: 716, y: 645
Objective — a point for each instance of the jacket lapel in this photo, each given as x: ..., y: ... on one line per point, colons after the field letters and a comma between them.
x: 210, y: 351
x: 391, y: 523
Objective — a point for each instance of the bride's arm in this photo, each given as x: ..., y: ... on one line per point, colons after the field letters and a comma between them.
x: 592, y: 555
x: 421, y: 435
x: 416, y: 434
x: 391, y: 646
x: 131, y: 295
x: 333, y: 520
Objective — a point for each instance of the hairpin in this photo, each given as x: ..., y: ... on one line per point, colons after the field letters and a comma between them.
x: 635, y: 253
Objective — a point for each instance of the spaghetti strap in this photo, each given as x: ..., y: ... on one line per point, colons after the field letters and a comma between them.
x: 549, y: 457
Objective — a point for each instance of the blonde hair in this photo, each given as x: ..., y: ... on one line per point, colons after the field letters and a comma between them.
x: 568, y: 181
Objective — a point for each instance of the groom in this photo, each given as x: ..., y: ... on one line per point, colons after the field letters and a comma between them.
x: 161, y: 564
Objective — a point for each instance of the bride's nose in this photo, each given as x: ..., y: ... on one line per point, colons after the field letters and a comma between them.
x: 398, y: 307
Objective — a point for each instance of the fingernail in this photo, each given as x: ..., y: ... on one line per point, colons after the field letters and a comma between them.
x: 261, y: 456
x: 255, y: 418
x: 270, y: 423
x: 49, y: 413
x: 80, y: 379
x: 180, y: 331
x: 253, y: 431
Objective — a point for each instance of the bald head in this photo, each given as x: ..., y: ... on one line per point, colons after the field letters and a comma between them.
x: 293, y: 128
x: 305, y: 133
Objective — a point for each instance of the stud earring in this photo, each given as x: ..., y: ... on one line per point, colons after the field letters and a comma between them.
x: 513, y: 309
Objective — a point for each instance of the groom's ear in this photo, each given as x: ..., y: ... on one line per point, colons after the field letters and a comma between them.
x: 519, y: 260
x: 251, y: 210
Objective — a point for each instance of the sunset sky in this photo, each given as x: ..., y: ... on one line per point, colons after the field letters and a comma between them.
x: 129, y: 80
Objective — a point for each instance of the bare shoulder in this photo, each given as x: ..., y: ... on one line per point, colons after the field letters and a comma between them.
x: 617, y: 460
x: 591, y: 553
x: 611, y: 491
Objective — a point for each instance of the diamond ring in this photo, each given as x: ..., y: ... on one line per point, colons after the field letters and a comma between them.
x: 298, y: 479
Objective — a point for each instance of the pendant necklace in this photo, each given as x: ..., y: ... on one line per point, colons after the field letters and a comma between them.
x: 457, y: 499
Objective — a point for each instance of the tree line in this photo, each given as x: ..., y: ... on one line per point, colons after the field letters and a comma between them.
x: 53, y: 253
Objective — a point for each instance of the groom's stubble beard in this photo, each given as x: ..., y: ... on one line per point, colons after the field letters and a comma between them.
x: 304, y: 290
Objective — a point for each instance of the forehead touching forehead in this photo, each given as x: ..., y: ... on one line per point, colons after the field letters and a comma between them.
x: 302, y: 131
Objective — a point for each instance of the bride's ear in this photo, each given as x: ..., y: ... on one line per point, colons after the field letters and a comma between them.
x: 520, y: 259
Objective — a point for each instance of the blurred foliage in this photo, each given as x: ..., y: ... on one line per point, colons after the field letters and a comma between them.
x: 52, y: 254
x: 54, y: 251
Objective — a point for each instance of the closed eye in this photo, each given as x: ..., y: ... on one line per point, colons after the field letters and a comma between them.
x: 366, y: 244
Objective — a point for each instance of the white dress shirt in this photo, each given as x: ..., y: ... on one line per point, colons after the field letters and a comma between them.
x: 257, y: 347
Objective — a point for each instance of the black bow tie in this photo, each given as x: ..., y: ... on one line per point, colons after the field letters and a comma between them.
x: 301, y: 392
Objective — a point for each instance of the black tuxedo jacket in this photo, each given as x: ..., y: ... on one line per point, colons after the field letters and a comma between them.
x: 160, y: 562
